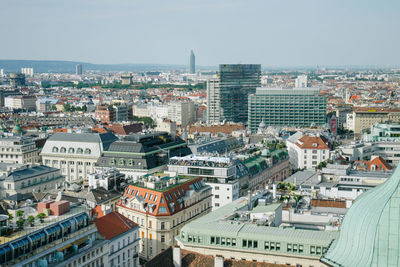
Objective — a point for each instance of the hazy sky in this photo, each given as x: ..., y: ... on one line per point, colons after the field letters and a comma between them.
x: 270, y: 32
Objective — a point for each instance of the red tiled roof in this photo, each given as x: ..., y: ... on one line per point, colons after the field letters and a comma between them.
x: 114, y: 224
x: 380, y: 163
x: 312, y: 142
x: 164, y: 199
x: 126, y: 129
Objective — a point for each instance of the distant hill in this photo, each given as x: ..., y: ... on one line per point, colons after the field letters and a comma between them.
x: 57, y: 66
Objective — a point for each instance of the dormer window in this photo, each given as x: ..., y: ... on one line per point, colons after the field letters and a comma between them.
x: 314, y: 144
x: 55, y: 149
x: 71, y: 150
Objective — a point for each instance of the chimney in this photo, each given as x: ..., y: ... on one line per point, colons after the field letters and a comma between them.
x: 218, y: 261
x: 176, y: 256
x: 274, y: 191
x: 249, y: 201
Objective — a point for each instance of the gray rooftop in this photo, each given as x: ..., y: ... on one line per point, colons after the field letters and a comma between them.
x: 28, y: 173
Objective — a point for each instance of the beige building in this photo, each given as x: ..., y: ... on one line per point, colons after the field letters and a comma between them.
x: 161, y: 206
x: 30, y: 179
x: 75, y: 153
x: 362, y: 119
x: 18, y: 149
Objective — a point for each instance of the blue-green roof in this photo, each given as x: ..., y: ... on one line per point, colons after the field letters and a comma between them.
x: 370, y: 233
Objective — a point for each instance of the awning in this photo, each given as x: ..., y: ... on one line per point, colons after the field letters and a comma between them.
x: 80, y: 241
x: 64, y: 247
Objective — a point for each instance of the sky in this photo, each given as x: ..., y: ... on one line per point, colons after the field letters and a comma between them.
x: 274, y: 33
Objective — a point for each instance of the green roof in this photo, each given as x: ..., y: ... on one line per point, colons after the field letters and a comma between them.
x: 370, y: 233
x: 266, y: 208
x: 219, y: 223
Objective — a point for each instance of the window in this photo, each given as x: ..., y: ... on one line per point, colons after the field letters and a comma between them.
x: 55, y: 149
x: 233, y: 241
x: 278, y: 246
x: 312, y: 250
x: 244, y: 243
x: 255, y: 244
x: 212, y: 241
x: 71, y: 150
x: 217, y: 240
x: 216, y: 196
x: 88, y: 151
x: 217, y: 188
x: 63, y: 150
x: 79, y: 151
x: 266, y: 245
x: 163, y: 239
x: 121, y: 162
x: 162, y: 225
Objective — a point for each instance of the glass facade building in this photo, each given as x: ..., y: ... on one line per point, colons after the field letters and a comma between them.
x: 236, y: 82
x: 286, y: 107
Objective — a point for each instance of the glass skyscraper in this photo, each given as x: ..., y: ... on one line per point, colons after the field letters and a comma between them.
x: 286, y: 107
x: 192, y: 63
x: 236, y: 83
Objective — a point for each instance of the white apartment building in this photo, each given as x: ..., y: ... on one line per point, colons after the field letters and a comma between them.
x: 27, y: 71
x: 123, y: 237
x: 301, y: 81
x: 25, y: 102
x: 217, y: 172
x: 213, y: 101
x: 18, y: 149
x: 307, y: 151
x: 75, y: 153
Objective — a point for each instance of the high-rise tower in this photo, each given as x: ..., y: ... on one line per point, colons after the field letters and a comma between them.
x: 192, y: 63
x: 237, y: 82
x: 78, y: 70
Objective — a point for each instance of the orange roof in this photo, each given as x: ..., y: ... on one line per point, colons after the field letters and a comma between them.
x: 166, y: 199
x: 60, y: 130
x: 354, y: 97
x: 114, y: 224
x: 380, y: 164
x: 312, y: 142
x: 98, y: 211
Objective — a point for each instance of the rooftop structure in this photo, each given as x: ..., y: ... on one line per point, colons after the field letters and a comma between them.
x: 139, y: 154
x: 238, y: 231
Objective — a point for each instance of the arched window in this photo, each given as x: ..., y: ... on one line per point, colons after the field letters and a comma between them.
x: 55, y: 149
x: 71, y: 150
x: 63, y: 150
x: 88, y: 151
x: 79, y: 151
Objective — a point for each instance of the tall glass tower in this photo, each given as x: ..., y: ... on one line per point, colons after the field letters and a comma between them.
x: 237, y: 82
x: 192, y: 63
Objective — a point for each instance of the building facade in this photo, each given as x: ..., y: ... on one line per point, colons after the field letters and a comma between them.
x: 286, y: 107
x: 162, y: 205
x: 123, y: 237
x: 213, y: 101
x: 30, y: 179
x: 362, y: 119
x: 18, y: 149
x: 140, y: 154
x: 217, y: 172
x: 308, y: 151
x: 192, y: 63
x: 75, y: 153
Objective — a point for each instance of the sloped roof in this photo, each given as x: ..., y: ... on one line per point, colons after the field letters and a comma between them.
x: 114, y: 224
x: 369, y: 235
x: 312, y: 142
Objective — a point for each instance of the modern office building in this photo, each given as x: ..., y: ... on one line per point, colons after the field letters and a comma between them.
x: 192, y: 63
x: 17, y: 79
x: 241, y: 231
x: 236, y: 83
x: 78, y: 69
x: 381, y: 132
x: 217, y: 172
x: 27, y: 71
x: 75, y: 153
x: 162, y: 205
x: 286, y: 107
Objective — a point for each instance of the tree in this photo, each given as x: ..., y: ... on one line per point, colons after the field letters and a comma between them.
x: 20, y: 223
x: 297, y: 199
x: 321, y: 165
x: 20, y: 213
x: 31, y: 220
x: 10, y: 217
x: 41, y: 216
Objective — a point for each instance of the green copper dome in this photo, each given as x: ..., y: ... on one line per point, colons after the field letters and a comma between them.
x: 370, y: 233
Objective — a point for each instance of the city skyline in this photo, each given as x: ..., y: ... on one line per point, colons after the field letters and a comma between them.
x: 290, y: 34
